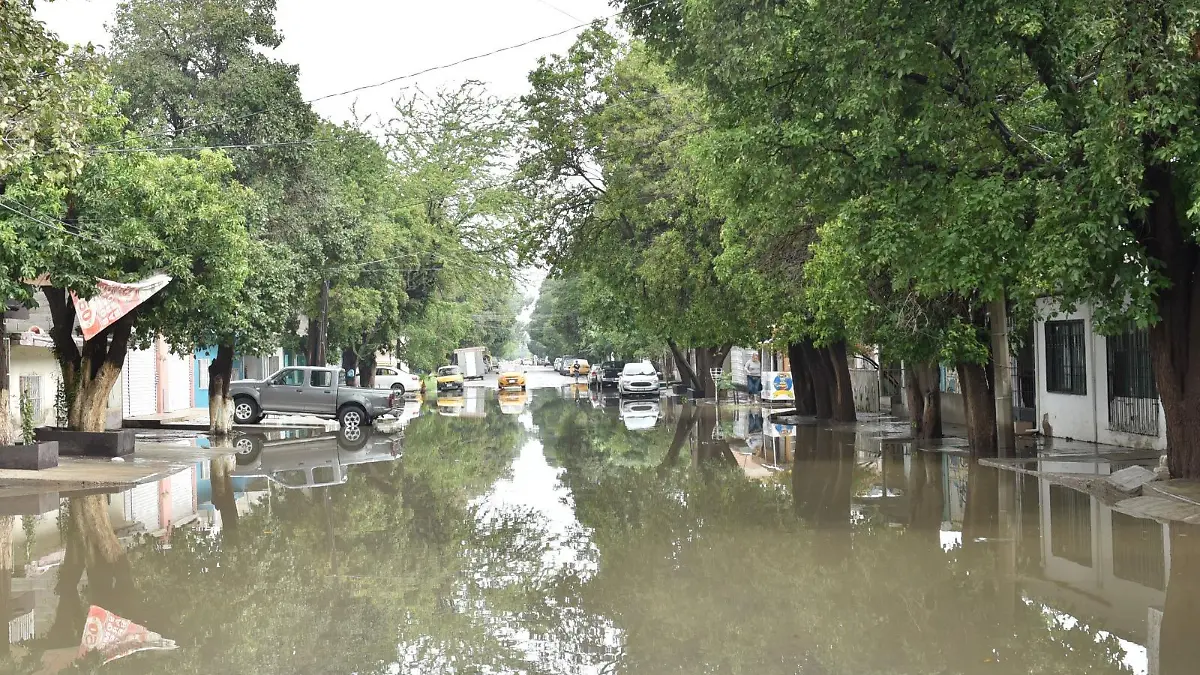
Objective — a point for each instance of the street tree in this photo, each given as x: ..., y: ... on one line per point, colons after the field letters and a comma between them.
x: 197, y: 74
x: 913, y: 146
x: 612, y: 188
x: 450, y: 150
x: 43, y: 112
x: 127, y: 215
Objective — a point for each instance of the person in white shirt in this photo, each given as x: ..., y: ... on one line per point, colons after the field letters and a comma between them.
x: 754, y: 378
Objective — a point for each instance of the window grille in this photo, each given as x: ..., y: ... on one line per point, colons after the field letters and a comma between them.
x: 1066, y: 364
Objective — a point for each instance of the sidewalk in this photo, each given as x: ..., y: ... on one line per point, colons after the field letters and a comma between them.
x: 150, y: 461
x: 196, y: 419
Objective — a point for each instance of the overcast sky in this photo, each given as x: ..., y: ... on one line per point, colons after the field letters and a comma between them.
x: 348, y: 43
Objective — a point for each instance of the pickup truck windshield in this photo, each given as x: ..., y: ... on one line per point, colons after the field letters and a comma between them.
x: 447, y: 370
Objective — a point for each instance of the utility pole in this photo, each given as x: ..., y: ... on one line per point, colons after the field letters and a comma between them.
x: 1002, y: 366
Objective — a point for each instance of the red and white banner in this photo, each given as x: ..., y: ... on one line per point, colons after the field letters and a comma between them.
x: 114, y: 636
x: 114, y: 300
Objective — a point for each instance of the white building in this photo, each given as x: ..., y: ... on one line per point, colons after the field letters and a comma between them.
x: 1095, y: 388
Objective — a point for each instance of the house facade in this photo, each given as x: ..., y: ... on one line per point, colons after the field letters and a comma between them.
x: 1092, y: 387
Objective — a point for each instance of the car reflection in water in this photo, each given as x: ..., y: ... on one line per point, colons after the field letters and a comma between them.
x: 605, y: 399
x: 512, y: 402
x: 313, y: 462
x: 639, y: 415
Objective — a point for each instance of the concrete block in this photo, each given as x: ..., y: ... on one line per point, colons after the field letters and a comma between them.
x: 89, y: 443
x: 1131, y: 479
x: 31, y: 457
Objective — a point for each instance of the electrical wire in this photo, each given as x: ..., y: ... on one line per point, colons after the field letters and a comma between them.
x: 61, y: 227
x: 393, y: 80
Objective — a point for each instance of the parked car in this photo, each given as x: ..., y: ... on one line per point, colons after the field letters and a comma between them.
x: 638, y: 378
x: 564, y: 367
x: 608, y: 373
x: 397, y: 379
x: 449, y: 378
x: 510, y: 378
x: 310, y: 390
x: 558, y: 364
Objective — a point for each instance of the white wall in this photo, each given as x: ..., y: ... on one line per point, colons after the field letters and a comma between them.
x: 1084, y: 417
x: 32, y: 361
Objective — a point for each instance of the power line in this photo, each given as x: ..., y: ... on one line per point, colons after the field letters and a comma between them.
x: 61, y: 227
x: 393, y: 80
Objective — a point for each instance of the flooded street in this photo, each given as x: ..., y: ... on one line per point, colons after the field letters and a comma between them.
x: 568, y: 532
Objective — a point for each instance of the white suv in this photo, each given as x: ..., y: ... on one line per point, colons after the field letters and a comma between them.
x: 403, y: 382
x: 638, y: 378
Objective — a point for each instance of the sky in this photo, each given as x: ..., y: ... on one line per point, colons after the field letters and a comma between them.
x: 349, y: 43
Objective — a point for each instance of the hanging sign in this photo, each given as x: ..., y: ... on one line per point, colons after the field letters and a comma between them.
x: 114, y: 636
x: 112, y: 301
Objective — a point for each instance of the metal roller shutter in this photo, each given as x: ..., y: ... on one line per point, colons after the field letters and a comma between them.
x: 179, y: 382
x: 141, y: 383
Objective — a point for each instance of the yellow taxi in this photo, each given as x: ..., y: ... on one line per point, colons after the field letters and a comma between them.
x: 451, y: 406
x: 449, y: 378
x: 510, y: 379
x: 513, y: 402
x: 580, y: 367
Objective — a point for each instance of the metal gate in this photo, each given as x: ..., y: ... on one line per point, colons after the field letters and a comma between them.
x: 141, y: 382
x: 1132, y: 393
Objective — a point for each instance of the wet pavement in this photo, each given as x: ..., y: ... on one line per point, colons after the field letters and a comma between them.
x: 564, y: 531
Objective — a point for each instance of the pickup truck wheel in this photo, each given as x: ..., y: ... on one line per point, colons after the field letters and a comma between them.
x: 245, y: 411
x: 398, y: 388
x: 352, y: 416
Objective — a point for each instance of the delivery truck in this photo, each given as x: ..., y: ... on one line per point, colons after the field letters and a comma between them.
x: 472, y: 362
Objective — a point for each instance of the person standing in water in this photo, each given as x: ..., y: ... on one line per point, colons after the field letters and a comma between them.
x: 754, y: 378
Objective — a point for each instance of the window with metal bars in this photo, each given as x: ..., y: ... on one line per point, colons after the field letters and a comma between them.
x: 31, y: 387
x: 1132, y: 393
x: 1066, y: 362
x: 1071, y: 525
x: 1138, y: 551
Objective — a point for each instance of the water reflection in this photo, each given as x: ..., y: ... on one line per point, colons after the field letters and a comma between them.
x: 549, y: 535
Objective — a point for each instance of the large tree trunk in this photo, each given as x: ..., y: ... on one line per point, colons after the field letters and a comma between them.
x: 818, y: 367
x: 708, y: 358
x: 686, y: 373
x: 88, y: 374
x: 923, y: 393
x: 92, y: 546
x: 1178, y: 648
x: 350, y: 364
x: 6, y: 424
x: 6, y: 573
x: 220, y: 408
x: 843, y: 402
x: 221, y: 477
x: 802, y: 380
x: 925, y: 494
x: 980, y: 409
x: 366, y: 367
x: 1175, y: 339
x: 822, y: 485
x: 683, y: 427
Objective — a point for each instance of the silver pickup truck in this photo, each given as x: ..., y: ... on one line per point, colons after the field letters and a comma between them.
x: 309, y: 390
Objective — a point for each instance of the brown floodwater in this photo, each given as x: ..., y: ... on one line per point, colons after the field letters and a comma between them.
x: 569, y: 532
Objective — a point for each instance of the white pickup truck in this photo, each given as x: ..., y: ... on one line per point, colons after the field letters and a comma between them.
x: 309, y: 390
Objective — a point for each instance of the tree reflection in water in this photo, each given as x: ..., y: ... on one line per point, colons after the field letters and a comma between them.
x: 676, y: 563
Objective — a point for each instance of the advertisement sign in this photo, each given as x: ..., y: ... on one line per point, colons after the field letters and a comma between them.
x: 777, y: 386
x: 114, y: 636
x: 781, y: 430
x: 112, y: 301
